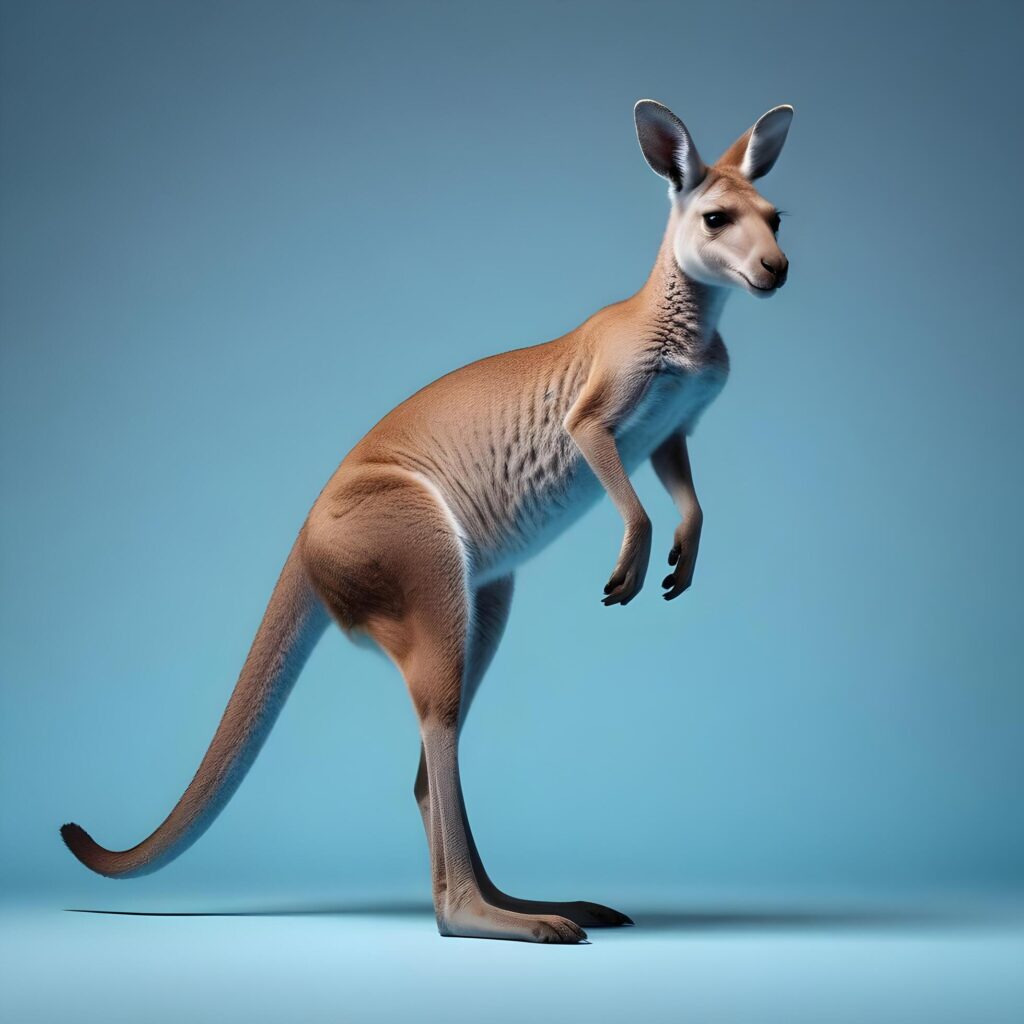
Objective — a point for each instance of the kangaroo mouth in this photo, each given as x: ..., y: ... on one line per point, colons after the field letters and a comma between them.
x: 770, y: 290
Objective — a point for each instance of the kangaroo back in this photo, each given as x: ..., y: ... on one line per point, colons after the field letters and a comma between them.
x: 292, y: 624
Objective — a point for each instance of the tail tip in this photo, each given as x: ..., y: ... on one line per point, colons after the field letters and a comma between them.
x: 74, y: 836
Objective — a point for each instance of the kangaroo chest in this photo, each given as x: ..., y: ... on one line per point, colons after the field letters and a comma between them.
x: 672, y: 401
x: 554, y: 487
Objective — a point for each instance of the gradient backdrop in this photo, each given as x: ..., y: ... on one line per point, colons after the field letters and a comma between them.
x: 235, y: 235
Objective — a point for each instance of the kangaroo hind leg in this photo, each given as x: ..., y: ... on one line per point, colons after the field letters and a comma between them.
x: 434, y: 671
x: 491, y: 605
x: 419, y: 566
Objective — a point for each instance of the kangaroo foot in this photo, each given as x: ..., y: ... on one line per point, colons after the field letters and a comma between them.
x: 582, y: 912
x: 480, y: 920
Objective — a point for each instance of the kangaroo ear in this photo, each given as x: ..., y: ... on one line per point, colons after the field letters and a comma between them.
x: 667, y: 146
x: 757, y: 149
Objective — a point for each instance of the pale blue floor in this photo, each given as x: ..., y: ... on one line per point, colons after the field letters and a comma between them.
x: 386, y: 963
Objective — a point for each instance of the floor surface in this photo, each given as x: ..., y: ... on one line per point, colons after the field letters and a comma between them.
x: 387, y: 963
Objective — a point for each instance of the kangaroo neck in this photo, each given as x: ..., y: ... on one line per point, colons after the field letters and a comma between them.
x: 682, y: 313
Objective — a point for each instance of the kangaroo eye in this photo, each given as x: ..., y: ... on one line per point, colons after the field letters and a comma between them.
x: 716, y: 219
x: 776, y: 223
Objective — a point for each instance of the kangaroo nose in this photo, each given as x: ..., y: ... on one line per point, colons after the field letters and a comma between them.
x: 778, y: 270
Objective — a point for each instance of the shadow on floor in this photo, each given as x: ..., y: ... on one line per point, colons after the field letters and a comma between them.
x: 804, y: 918
x: 652, y: 919
x: 414, y: 908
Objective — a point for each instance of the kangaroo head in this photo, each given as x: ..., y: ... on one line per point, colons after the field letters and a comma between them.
x: 724, y: 231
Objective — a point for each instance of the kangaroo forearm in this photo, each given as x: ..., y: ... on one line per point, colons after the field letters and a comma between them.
x: 597, y: 444
x: 671, y: 461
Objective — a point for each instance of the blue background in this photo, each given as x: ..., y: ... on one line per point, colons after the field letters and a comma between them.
x: 235, y: 235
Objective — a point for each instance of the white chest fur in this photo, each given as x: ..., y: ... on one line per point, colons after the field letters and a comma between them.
x: 672, y: 401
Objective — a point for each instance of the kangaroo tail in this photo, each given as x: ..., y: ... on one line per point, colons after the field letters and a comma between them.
x: 293, y: 623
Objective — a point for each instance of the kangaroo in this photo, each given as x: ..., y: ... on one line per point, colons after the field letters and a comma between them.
x: 414, y: 541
